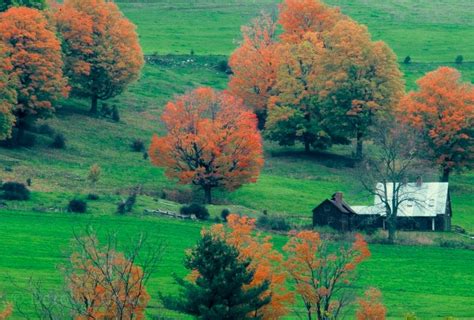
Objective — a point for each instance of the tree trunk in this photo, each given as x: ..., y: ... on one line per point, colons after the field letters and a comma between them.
x: 359, y: 147
x: 445, y: 176
x: 94, y: 101
x: 307, y: 144
x: 207, y: 195
x: 392, y: 229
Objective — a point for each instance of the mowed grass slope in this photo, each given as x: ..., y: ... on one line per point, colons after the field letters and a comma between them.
x: 432, y: 282
x: 432, y: 33
x: 34, y: 235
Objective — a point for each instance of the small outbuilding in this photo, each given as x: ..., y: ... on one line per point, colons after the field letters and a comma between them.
x: 427, y: 207
x: 334, y: 212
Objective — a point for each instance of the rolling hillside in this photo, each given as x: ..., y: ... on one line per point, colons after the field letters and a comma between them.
x: 432, y: 282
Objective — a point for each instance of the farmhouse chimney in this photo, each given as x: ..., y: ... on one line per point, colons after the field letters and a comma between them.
x: 338, y: 197
x: 419, y: 182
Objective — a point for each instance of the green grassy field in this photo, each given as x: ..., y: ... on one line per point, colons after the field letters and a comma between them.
x: 432, y: 282
x: 413, y: 279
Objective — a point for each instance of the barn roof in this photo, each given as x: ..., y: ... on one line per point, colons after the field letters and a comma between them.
x: 419, y: 200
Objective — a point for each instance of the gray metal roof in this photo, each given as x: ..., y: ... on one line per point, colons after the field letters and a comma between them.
x: 425, y: 200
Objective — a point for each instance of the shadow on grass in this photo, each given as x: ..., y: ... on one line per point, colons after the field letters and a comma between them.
x: 324, y: 158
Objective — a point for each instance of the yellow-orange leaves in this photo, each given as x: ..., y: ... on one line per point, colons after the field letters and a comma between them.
x: 320, y: 273
x: 35, y: 54
x: 6, y: 313
x: 212, y: 141
x: 443, y: 110
x: 254, y: 65
x: 7, y: 95
x: 299, y: 17
x: 266, y: 262
x: 102, y: 48
x: 371, y: 306
x: 104, y: 284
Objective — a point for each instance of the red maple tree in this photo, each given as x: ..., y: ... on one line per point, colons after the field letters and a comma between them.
x: 35, y: 55
x: 212, y: 141
x: 103, y: 54
x: 443, y: 110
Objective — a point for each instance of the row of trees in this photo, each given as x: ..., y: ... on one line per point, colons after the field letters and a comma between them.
x: 238, y: 275
x: 321, y: 81
x: 87, y: 48
x: 235, y: 274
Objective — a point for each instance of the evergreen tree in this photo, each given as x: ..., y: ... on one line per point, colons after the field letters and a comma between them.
x: 218, y: 289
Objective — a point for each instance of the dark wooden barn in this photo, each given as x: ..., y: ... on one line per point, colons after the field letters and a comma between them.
x: 335, y: 213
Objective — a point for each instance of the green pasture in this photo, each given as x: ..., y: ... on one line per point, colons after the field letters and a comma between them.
x: 34, y: 235
x: 431, y: 282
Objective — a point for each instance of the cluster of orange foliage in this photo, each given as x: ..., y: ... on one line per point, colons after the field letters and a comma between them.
x: 7, y: 95
x: 35, y: 54
x: 212, y: 141
x: 254, y: 65
x: 319, y: 273
x: 102, y: 51
x: 443, y: 110
x: 298, y: 17
x: 371, y: 306
x: 105, y: 284
x: 307, y: 82
x: 6, y: 313
x: 266, y: 262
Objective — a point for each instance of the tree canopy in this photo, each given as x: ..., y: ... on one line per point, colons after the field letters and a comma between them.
x: 443, y: 110
x: 212, y: 141
x: 102, y: 52
x: 35, y: 56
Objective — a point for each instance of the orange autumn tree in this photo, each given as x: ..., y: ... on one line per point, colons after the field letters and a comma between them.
x: 443, y: 110
x: 321, y: 275
x: 293, y: 114
x: 35, y: 55
x: 103, y: 54
x: 212, y: 141
x: 7, y: 311
x: 107, y: 284
x: 371, y: 306
x: 358, y: 79
x: 7, y: 95
x: 266, y: 263
x: 298, y: 17
x: 254, y: 65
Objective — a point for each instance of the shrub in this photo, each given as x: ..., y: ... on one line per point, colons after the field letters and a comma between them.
x: 459, y: 59
x: 59, y: 141
x: 93, y: 197
x: 224, y: 214
x: 126, y: 206
x: 223, y: 66
x: 407, y: 60
x: 115, y: 114
x: 77, y: 206
x: 198, y: 210
x: 15, y: 191
x: 276, y: 223
x: 45, y: 129
x: 138, y: 145
x: 105, y: 110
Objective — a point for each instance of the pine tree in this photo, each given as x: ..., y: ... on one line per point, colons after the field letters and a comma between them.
x: 219, y: 287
